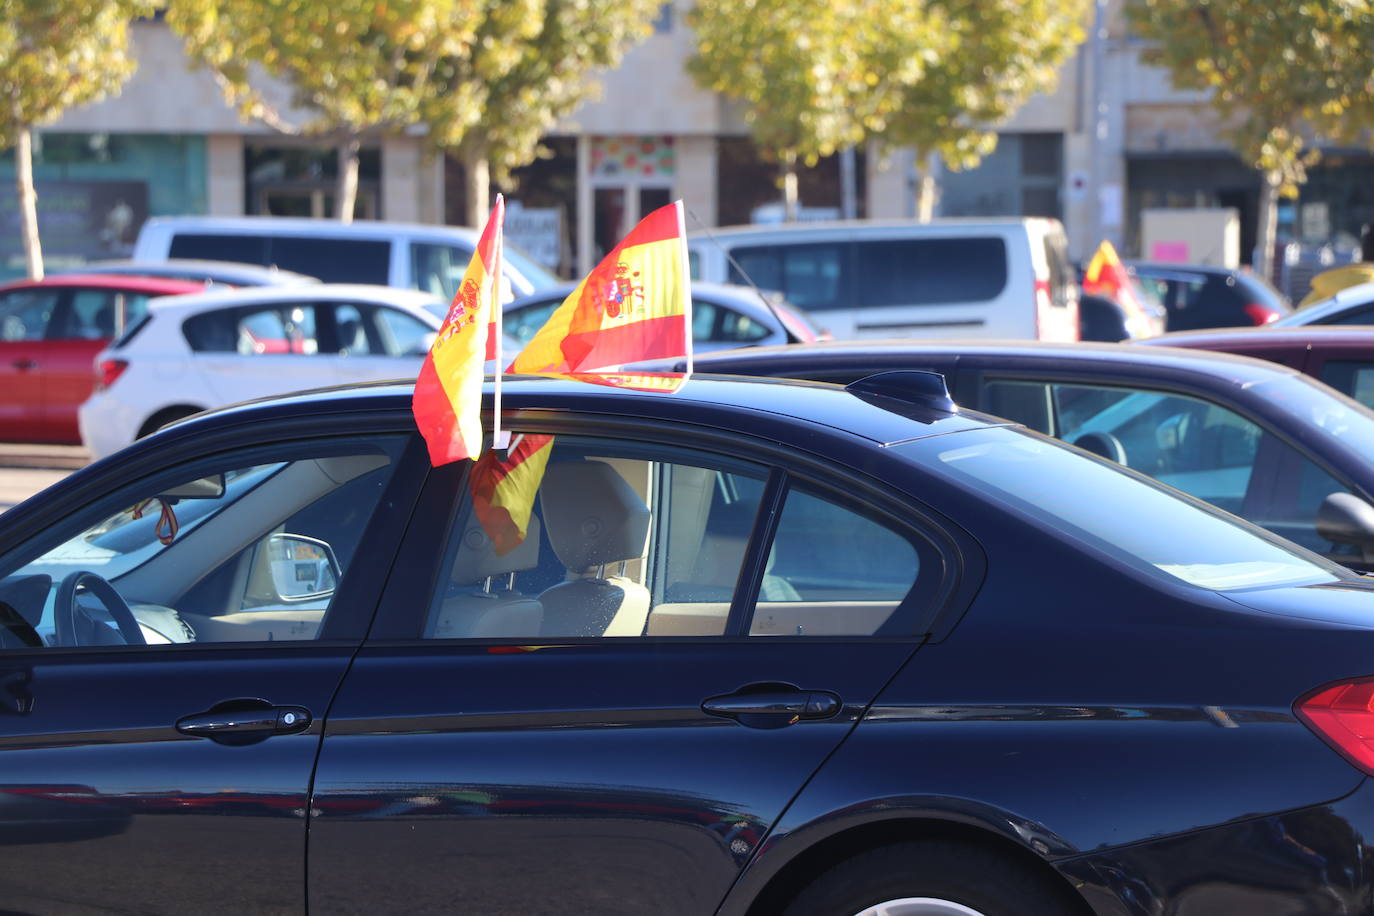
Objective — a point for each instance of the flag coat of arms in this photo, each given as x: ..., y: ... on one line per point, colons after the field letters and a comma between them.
x: 636, y: 304
x: 448, y: 393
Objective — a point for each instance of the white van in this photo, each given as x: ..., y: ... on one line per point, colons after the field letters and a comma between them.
x: 948, y: 278
x: 404, y: 255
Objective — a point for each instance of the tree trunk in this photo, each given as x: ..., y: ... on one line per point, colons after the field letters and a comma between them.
x: 1268, y: 226
x: 927, y: 189
x: 477, y: 186
x: 28, y: 204
x: 791, y: 204
x: 346, y: 199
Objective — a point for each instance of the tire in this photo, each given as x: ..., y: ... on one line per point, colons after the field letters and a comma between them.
x: 931, y: 878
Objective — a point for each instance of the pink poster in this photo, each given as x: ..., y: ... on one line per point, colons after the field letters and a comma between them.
x: 1171, y: 252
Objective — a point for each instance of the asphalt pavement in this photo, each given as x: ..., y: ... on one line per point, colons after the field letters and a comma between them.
x: 25, y: 469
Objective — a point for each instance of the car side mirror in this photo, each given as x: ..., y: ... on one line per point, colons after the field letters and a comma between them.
x: 1344, y: 518
x: 303, y: 568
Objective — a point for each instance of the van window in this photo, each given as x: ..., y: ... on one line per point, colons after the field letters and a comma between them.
x: 930, y: 271
x: 334, y: 260
x: 245, y: 249
x: 810, y: 276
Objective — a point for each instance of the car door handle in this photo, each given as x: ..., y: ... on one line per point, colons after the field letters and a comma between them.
x: 24, y: 365
x: 245, y: 721
x: 773, y: 708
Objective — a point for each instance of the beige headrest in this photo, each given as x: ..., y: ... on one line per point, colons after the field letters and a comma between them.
x: 593, y: 515
x: 477, y: 559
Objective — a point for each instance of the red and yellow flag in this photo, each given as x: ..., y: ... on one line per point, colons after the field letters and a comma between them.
x: 504, y: 487
x: 448, y: 394
x: 636, y: 304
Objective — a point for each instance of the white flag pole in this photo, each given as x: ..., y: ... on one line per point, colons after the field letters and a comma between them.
x: 500, y: 438
x: 684, y: 265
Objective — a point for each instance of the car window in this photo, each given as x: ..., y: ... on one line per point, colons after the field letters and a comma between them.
x: 930, y: 271
x: 246, y: 249
x: 832, y: 572
x: 1352, y: 316
x: 438, y: 269
x: 1202, y: 448
x: 333, y: 260
x: 1123, y: 514
x: 712, y: 323
x: 227, y: 550
x: 24, y: 313
x: 589, y: 538
x: 1353, y: 377
x: 355, y: 333
x: 90, y: 315
x: 254, y: 331
x: 523, y: 323
x: 402, y: 334
x: 812, y: 276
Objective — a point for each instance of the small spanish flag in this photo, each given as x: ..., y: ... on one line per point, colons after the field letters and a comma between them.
x: 448, y: 394
x: 1106, y: 276
x: 636, y: 304
x: 504, y: 486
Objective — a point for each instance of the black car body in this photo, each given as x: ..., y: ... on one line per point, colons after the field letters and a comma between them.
x: 1255, y: 438
x: 1078, y: 698
x: 1198, y: 296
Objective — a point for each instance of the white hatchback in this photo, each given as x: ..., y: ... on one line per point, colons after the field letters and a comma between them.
x: 194, y: 352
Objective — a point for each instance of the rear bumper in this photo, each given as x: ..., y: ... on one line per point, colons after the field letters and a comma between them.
x: 1314, y: 861
x: 106, y: 424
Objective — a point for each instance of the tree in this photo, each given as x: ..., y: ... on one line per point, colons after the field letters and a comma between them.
x: 808, y: 74
x: 360, y: 67
x: 55, y: 54
x: 531, y: 70
x: 1282, y: 73
x: 998, y: 53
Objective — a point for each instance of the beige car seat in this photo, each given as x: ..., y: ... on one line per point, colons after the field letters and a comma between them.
x: 490, y: 608
x: 594, y: 519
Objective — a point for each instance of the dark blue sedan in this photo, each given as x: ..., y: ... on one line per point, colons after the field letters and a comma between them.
x: 749, y: 648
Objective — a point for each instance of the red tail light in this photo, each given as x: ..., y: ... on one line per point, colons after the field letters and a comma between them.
x: 107, y: 371
x: 1343, y: 715
x: 1260, y: 314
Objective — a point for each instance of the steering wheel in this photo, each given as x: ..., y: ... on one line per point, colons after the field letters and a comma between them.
x: 66, y: 609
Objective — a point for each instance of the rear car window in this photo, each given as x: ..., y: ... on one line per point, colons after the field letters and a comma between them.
x: 246, y: 249
x: 811, y: 276
x: 1121, y: 513
x: 930, y: 271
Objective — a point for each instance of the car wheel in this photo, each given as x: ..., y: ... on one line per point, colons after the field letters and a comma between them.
x: 930, y: 878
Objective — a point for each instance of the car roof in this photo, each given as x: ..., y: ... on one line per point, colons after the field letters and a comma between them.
x: 1165, y: 267
x: 860, y: 227
x: 881, y: 354
x: 409, y: 299
x: 1301, y: 337
x: 227, y: 271
x: 703, y: 400
x: 297, y: 225
x: 157, y: 286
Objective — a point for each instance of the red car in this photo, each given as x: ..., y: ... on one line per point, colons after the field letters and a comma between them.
x: 50, y: 332
x: 1342, y: 356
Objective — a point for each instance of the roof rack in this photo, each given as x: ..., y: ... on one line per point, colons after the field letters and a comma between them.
x: 913, y: 386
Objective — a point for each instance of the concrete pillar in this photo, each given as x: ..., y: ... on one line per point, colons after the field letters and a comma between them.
x: 584, y: 205
x: 224, y: 181
x: 430, y: 177
x: 401, y: 171
x: 888, y: 181
x: 695, y: 181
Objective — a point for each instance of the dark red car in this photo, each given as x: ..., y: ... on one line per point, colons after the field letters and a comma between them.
x: 1342, y: 356
x: 50, y: 332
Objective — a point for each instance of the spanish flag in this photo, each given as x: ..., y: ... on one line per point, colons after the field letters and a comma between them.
x: 448, y: 394
x: 1106, y: 276
x: 503, y: 488
x: 636, y: 304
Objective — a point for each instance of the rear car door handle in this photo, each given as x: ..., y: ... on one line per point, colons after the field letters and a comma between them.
x: 24, y: 365
x: 773, y: 708
x: 245, y: 722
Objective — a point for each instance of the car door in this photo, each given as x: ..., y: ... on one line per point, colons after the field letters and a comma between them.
x: 604, y: 708
x: 168, y: 651
x: 25, y: 318
x: 83, y: 325
x: 373, y: 342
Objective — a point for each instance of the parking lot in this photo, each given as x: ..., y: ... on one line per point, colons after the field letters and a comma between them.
x: 25, y: 469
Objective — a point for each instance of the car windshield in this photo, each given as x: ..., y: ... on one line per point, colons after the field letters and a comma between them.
x: 1123, y: 513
